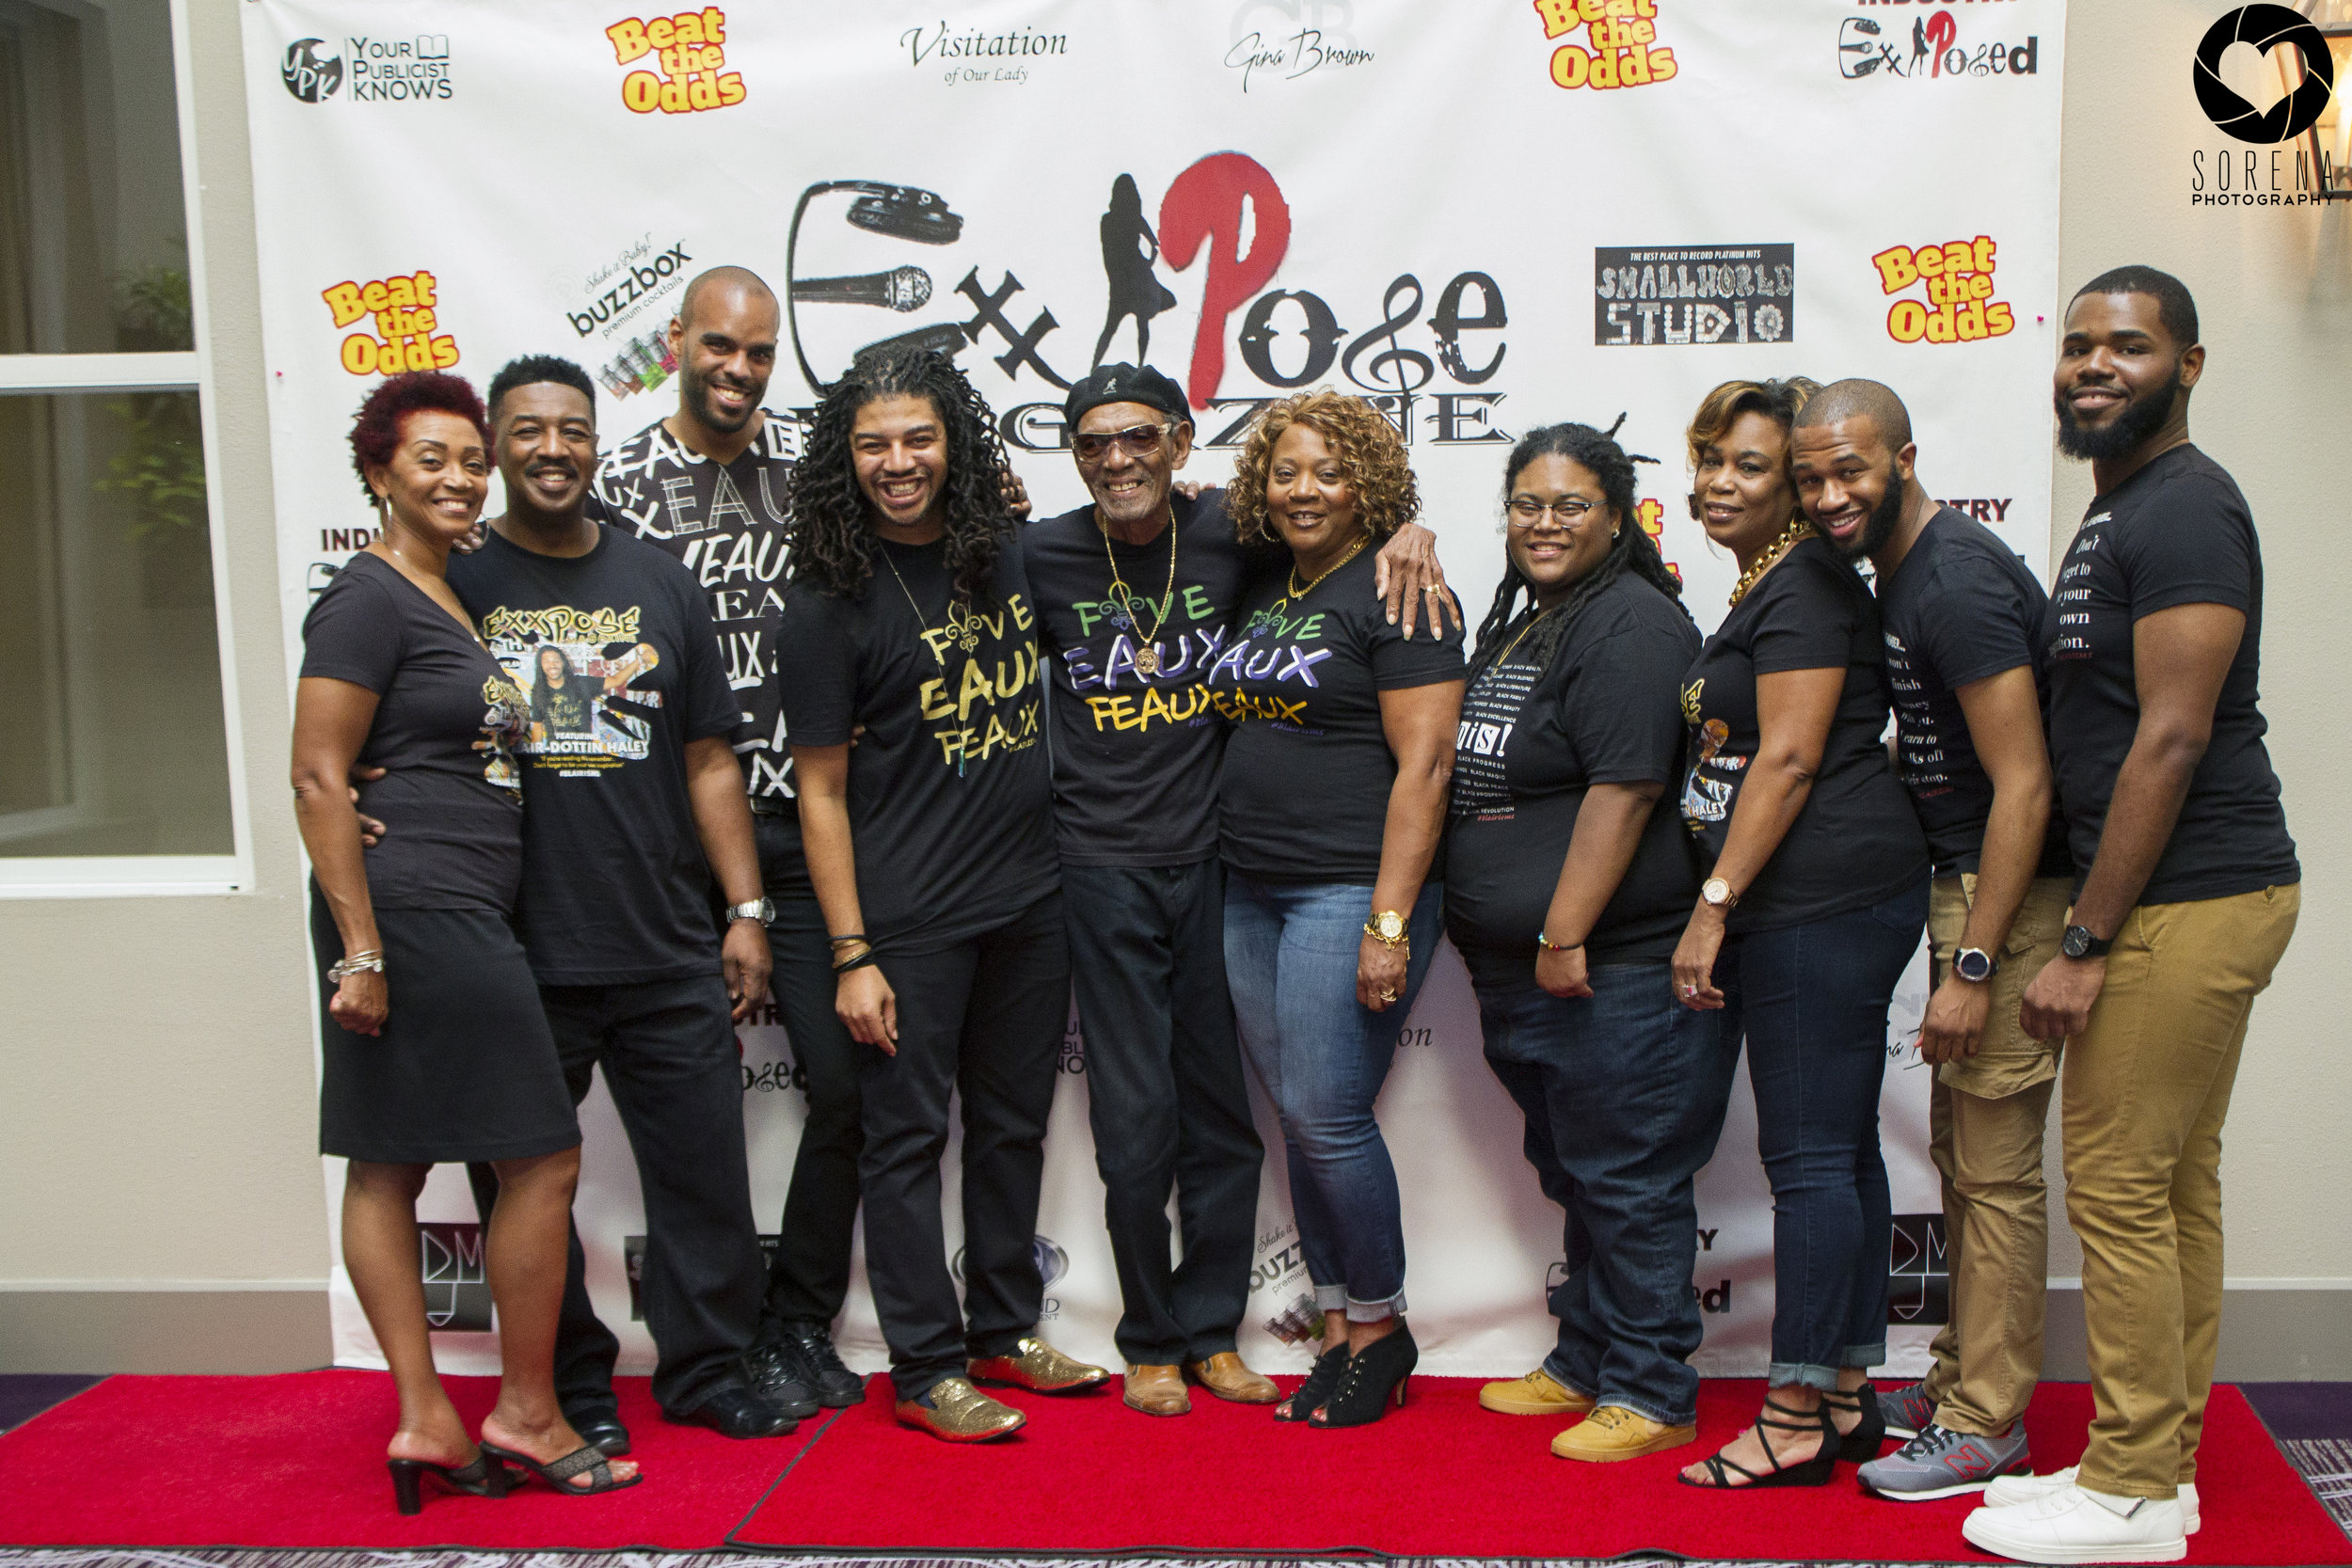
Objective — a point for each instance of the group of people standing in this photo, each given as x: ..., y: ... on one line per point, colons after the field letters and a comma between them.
x: 1222, y: 760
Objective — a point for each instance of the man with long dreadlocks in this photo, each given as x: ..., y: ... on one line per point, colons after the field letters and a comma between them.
x: 931, y: 849
x: 1566, y: 893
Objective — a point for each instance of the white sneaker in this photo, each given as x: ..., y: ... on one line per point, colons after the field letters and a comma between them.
x: 2075, y: 1526
x: 2009, y: 1491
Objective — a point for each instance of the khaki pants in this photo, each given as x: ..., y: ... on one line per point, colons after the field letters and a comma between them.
x: 2147, y: 1087
x: 1985, y: 1118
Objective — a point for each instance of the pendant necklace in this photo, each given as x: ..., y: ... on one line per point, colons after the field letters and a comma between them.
x: 1124, y: 605
x: 961, y: 626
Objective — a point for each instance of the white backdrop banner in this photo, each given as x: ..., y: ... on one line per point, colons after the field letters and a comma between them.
x: 1486, y: 215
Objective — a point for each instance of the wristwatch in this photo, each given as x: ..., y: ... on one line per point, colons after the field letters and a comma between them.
x: 1975, y: 965
x: 762, y: 910
x: 1386, y: 927
x: 2079, y: 944
x: 1718, y: 892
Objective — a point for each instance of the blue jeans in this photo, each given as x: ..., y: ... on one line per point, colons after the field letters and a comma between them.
x: 1624, y: 1093
x: 1290, y: 957
x: 1815, y: 1011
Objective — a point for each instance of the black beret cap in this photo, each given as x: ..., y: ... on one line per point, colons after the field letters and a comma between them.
x: 1124, y: 383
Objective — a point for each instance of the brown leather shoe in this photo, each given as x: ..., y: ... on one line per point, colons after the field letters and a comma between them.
x: 1225, y: 1375
x: 959, y: 1413
x: 1157, y: 1391
x: 1040, y: 1368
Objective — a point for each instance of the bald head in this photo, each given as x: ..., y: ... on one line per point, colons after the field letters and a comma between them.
x: 1857, y: 398
x: 733, y: 284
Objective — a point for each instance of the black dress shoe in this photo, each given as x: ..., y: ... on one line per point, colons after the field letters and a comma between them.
x: 838, y: 1387
x: 732, y: 1410
x: 775, y: 1372
x: 601, y: 1429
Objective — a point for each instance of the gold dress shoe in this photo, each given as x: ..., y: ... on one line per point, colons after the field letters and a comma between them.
x: 1224, y: 1375
x: 1614, y: 1432
x: 1040, y: 1368
x: 959, y: 1413
x: 1157, y: 1391
x: 1536, y: 1394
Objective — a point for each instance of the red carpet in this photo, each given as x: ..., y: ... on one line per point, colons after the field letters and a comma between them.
x: 1438, y: 1478
x: 297, y: 1462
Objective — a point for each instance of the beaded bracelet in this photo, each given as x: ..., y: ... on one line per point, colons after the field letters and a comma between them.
x: 1550, y: 946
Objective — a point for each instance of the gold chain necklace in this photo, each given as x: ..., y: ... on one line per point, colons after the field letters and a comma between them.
x: 1765, y: 562
x: 957, y: 626
x: 1123, y: 601
x: 1298, y: 592
x: 1504, y: 657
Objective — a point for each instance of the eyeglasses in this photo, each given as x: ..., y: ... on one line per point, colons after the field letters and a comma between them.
x: 1526, y: 510
x: 1137, y: 440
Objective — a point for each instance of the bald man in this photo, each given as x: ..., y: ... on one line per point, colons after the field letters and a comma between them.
x: 1961, y: 617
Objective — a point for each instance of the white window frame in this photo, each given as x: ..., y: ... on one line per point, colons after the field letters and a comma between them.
x: 148, y: 876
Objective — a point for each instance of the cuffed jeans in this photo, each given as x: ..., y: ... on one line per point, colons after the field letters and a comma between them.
x: 1813, y: 1002
x: 1290, y: 955
x: 1167, y: 1100
x: 984, y: 1017
x: 1623, y: 1092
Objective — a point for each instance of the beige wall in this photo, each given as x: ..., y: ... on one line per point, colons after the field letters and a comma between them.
x: 155, y: 1065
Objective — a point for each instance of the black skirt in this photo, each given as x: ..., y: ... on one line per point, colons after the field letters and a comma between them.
x: 465, y: 1068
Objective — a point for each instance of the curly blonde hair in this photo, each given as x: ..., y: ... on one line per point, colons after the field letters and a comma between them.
x: 1371, y: 454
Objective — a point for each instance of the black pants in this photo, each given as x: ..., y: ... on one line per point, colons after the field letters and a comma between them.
x: 1167, y: 1101
x: 667, y: 1048
x: 809, y: 1275
x: 984, y: 1016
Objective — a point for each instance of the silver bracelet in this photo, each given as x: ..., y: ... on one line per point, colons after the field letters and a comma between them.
x: 370, y: 961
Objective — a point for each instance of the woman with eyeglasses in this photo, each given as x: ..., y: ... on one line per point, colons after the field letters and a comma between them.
x: 1567, y: 890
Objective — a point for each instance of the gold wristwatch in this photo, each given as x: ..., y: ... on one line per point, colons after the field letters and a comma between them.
x: 1388, y: 928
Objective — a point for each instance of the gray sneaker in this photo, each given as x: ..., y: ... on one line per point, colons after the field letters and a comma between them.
x: 1941, y: 1463
x: 1907, y: 1409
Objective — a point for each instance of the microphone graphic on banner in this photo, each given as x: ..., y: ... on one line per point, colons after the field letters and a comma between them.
x: 896, y: 212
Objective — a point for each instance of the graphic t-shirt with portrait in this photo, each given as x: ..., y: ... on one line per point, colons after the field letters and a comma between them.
x: 2178, y: 532
x: 446, y: 719
x: 950, y: 786
x: 1855, y: 841
x: 615, y: 652
x: 1961, y: 607
x: 1305, y: 791
x: 1533, y: 740
x: 727, y: 525
x: 1136, y: 736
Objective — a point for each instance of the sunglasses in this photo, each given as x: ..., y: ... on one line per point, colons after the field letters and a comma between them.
x: 1138, y: 441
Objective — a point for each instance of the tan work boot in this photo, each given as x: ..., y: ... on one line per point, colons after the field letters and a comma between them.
x: 1157, y: 1391
x: 1536, y: 1394
x: 1040, y: 1368
x: 1614, y: 1432
x: 959, y: 1413
x: 1225, y: 1375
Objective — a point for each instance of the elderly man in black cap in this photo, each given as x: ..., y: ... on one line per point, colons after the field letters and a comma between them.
x: 1136, y: 593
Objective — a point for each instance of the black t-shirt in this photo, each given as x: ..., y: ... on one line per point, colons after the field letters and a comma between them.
x: 1135, y: 753
x: 1305, y: 790
x: 615, y: 652
x: 727, y: 525
x: 1961, y: 607
x: 1532, y: 741
x: 445, y: 719
x: 2176, y: 533
x: 951, y: 788
x: 1855, y: 842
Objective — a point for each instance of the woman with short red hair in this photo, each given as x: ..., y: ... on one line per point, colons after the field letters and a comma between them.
x: 393, y: 678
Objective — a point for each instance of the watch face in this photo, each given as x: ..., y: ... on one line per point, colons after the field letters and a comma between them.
x: 1389, y: 923
x: 1714, y: 890
x: 1974, y: 964
x: 2077, y: 943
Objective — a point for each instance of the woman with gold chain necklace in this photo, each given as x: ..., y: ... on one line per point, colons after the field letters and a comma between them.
x: 1330, y: 810
x: 1815, y: 900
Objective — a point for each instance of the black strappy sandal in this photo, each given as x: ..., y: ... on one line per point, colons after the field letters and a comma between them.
x: 559, y: 1473
x: 1861, y: 1445
x: 483, y: 1477
x: 1815, y: 1471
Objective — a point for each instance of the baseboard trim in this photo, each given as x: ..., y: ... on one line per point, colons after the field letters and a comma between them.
x: 273, y: 1328
x: 2272, y: 1331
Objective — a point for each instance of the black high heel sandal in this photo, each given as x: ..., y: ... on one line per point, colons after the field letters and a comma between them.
x: 1861, y: 1445
x: 1321, y: 1379
x: 1381, y: 1368
x: 559, y: 1473
x: 483, y: 1477
x: 1815, y: 1471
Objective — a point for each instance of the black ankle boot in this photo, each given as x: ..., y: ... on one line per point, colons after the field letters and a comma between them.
x: 1321, y: 1380
x: 1383, y: 1368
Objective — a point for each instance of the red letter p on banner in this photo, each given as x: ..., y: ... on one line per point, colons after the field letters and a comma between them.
x: 1204, y: 203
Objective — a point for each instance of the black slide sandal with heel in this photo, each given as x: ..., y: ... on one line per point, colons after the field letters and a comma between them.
x: 559, y: 1473
x: 482, y: 1476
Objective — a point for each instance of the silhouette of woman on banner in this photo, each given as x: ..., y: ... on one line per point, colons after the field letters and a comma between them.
x: 1129, y: 248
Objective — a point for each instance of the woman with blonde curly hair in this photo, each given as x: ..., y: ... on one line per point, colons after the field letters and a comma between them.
x: 1332, y: 805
